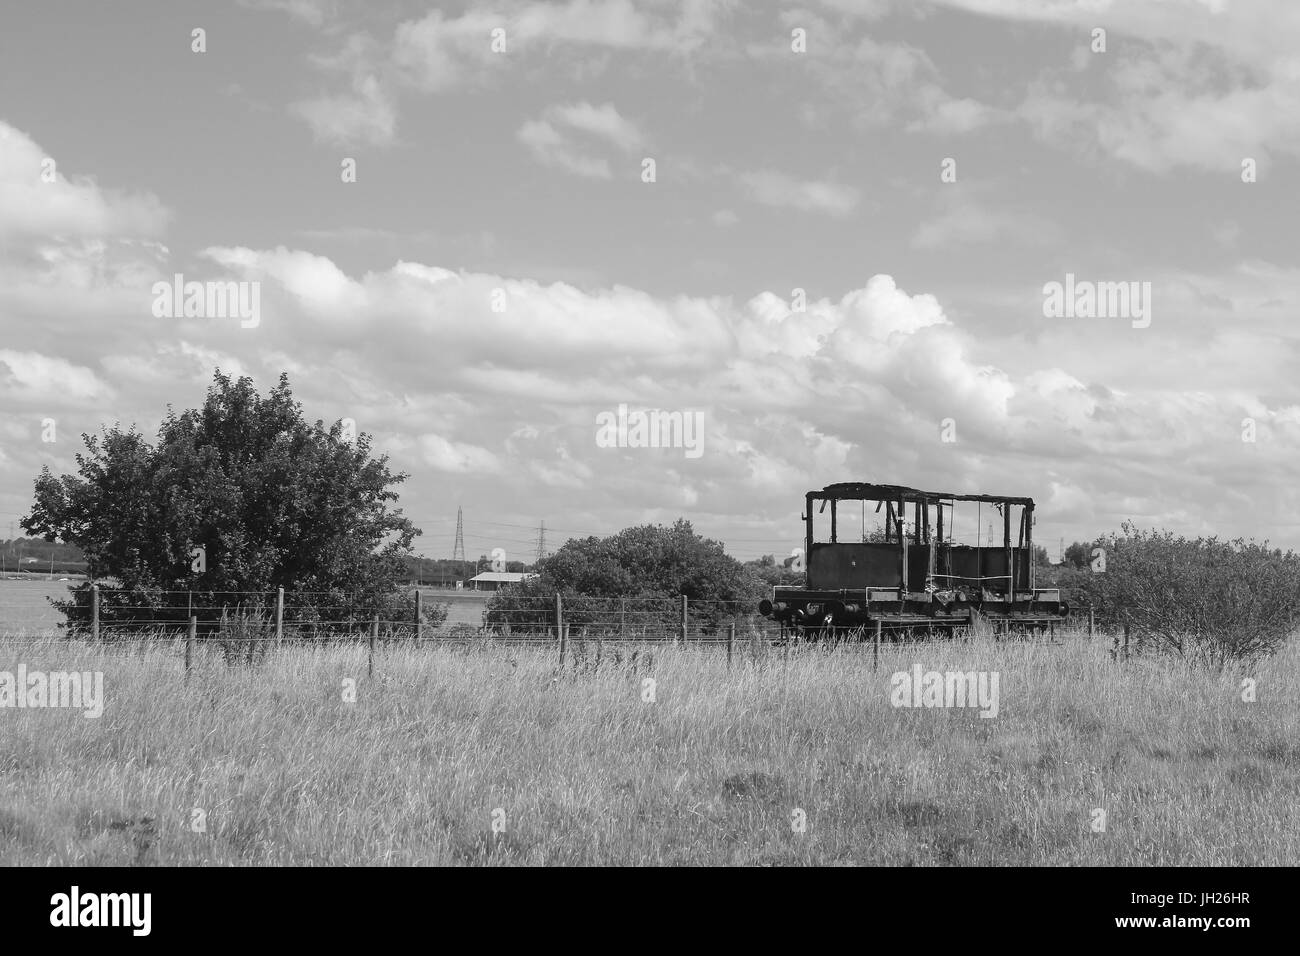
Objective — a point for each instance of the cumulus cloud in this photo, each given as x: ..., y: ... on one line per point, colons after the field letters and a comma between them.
x: 38, y: 199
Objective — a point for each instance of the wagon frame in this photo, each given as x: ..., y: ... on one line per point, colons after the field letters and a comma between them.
x: 916, y: 574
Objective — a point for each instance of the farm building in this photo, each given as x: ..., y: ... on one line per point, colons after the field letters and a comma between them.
x: 492, y: 580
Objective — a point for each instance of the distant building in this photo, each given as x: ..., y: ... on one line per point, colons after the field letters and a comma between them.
x: 492, y: 580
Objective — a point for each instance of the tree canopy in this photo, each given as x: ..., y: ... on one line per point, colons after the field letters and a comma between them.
x: 639, y: 571
x: 271, y: 500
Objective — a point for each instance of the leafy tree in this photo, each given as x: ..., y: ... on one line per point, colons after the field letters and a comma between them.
x: 1078, y: 555
x: 635, y: 577
x: 770, y: 573
x: 272, y: 500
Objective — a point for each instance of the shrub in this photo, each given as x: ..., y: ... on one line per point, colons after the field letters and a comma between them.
x: 1206, y: 601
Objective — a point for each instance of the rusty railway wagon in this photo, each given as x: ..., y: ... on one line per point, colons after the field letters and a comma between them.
x: 911, y: 571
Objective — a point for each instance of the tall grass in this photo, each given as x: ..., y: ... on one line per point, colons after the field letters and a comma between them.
x: 586, y: 771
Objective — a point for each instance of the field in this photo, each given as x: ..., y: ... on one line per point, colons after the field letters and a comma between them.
x: 580, y: 768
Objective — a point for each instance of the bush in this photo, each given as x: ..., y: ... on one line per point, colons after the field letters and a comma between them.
x: 631, y: 581
x: 1205, y: 601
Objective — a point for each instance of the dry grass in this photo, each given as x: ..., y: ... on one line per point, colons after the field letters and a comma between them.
x: 586, y: 772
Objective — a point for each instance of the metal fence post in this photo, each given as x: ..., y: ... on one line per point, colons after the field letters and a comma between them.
x: 683, y: 618
x: 875, y: 652
x: 731, y: 640
x: 374, y: 633
x: 419, y: 614
x: 94, y: 612
x: 279, y: 615
x: 189, y: 643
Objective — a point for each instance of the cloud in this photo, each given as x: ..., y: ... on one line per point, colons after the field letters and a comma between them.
x: 438, y: 53
x: 551, y: 141
x: 773, y: 188
x: 601, y: 121
x: 504, y: 402
x: 65, y: 207
x: 367, y: 115
x: 30, y: 377
x: 1186, y: 84
x: 969, y: 221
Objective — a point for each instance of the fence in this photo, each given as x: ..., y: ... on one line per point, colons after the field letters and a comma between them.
x: 105, y: 613
x: 102, y: 613
x: 245, y: 625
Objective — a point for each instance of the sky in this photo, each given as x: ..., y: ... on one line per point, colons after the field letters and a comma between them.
x: 824, y: 232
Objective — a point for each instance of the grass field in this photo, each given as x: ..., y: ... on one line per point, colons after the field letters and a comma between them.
x: 581, y: 769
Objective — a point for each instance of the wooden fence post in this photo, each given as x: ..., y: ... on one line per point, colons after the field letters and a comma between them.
x: 564, y: 640
x: 683, y: 618
x: 1126, y: 642
x: 189, y: 643
x: 374, y: 633
x: 875, y: 652
x: 94, y: 612
x: 731, y: 640
x: 279, y: 615
x: 419, y: 614
x: 559, y: 616
x: 1091, y: 623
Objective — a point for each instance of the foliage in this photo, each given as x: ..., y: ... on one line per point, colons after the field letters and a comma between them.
x: 1078, y: 555
x: 1206, y: 601
x: 273, y: 501
x: 772, y: 574
x: 634, y: 577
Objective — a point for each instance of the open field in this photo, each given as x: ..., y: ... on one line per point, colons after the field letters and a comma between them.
x: 583, y: 770
x: 463, y: 607
x: 23, y: 605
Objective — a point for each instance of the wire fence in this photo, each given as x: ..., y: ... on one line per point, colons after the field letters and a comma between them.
x: 105, y: 613
x: 589, y: 635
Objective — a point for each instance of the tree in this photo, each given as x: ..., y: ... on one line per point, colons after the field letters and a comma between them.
x: 635, y: 577
x: 270, y: 500
x: 770, y: 573
x: 1078, y: 555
